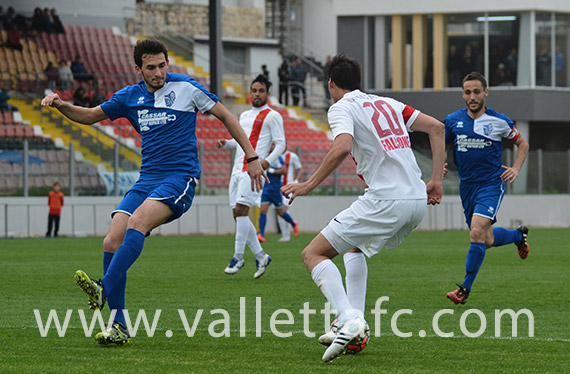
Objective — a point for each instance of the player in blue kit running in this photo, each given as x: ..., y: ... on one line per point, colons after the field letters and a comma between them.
x: 475, y: 133
x: 272, y: 195
x: 162, y: 107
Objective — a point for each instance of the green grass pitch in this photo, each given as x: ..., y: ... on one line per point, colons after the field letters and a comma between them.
x: 187, y: 273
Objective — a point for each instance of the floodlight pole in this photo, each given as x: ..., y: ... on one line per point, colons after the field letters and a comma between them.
x: 216, y: 51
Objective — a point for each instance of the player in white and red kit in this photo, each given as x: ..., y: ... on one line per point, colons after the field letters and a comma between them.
x: 263, y: 126
x: 375, y: 130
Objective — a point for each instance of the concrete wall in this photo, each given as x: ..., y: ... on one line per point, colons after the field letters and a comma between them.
x: 90, y: 216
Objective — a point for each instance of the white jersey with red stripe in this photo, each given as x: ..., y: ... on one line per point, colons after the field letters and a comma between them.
x: 292, y: 163
x: 261, y: 135
x: 381, y: 146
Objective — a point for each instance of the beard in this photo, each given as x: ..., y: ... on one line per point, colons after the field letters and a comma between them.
x: 258, y: 104
x: 479, y: 107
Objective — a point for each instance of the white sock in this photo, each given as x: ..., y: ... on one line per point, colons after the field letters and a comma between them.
x: 242, y: 229
x: 284, y: 227
x: 327, y: 277
x: 356, y: 277
x: 253, y: 242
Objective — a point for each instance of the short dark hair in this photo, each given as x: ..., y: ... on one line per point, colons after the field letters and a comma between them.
x: 148, y: 46
x: 263, y: 80
x: 474, y: 76
x: 344, y: 72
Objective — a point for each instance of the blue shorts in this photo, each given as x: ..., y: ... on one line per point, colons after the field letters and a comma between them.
x: 176, y: 191
x: 274, y: 197
x: 482, y: 199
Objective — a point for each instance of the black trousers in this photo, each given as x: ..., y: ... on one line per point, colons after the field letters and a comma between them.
x: 53, y: 219
x: 284, y: 91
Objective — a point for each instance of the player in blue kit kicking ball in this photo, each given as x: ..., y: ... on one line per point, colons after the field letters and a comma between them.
x: 162, y: 107
x: 475, y: 133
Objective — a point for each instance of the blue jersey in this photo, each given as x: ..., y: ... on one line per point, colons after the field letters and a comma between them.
x: 274, y: 179
x: 477, y: 148
x: 166, y: 120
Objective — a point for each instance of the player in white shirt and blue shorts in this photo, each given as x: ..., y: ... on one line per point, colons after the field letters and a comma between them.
x: 162, y: 107
x: 263, y: 126
x: 374, y: 130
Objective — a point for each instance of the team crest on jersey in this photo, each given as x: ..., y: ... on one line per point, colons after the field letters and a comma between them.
x: 169, y: 99
x: 487, y: 129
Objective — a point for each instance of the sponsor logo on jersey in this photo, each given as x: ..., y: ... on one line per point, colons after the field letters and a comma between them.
x: 169, y: 99
x: 464, y: 143
x: 140, y: 100
x: 487, y: 129
x: 459, y: 125
x: 148, y: 119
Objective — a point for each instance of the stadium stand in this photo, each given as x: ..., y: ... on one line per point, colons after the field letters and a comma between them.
x: 108, y: 55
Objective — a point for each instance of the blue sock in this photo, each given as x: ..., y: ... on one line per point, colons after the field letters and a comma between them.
x: 504, y: 236
x: 262, y: 222
x: 107, y: 257
x: 475, y: 258
x: 287, y: 217
x: 125, y: 256
x: 115, y: 298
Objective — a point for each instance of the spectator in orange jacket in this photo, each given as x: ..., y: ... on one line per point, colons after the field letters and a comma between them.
x: 55, y: 202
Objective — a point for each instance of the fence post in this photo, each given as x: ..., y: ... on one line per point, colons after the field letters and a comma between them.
x: 71, y: 170
x: 25, y: 169
x: 200, y: 158
x: 539, y: 161
x: 509, y: 155
x: 335, y: 182
x: 116, y: 171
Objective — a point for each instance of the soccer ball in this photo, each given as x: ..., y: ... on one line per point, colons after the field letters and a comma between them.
x: 359, y: 344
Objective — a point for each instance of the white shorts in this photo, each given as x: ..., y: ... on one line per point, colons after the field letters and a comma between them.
x: 370, y: 224
x: 240, y: 191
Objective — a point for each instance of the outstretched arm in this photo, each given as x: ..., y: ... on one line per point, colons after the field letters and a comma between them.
x: 436, y: 132
x: 341, y: 148
x: 86, y: 116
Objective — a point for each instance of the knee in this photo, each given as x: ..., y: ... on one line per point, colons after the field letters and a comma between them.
x: 305, y: 256
x: 111, y: 244
x: 137, y: 222
x: 477, y: 235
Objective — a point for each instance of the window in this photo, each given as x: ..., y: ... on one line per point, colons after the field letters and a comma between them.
x: 465, y: 46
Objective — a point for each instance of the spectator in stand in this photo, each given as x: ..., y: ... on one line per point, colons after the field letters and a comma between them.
x: 4, y: 97
x: 9, y: 18
x: 55, y: 202
x: 52, y: 73
x: 38, y: 20
x: 264, y: 71
x: 57, y: 24
x: 48, y: 24
x: 80, y: 98
x: 298, y: 76
x: 79, y: 70
x: 13, y: 38
x: 454, y: 61
x: 98, y: 98
x: 284, y: 78
x: 65, y: 75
